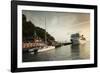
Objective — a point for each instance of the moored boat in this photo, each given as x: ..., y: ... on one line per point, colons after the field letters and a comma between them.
x: 41, y: 49
x: 46, y: 48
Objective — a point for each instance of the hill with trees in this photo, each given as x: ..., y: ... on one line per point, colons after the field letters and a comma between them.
x: 29, y: 28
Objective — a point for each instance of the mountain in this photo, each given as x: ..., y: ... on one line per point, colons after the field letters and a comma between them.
x: 29, y: 28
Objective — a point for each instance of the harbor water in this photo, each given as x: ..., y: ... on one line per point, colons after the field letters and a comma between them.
x: 68, y: 52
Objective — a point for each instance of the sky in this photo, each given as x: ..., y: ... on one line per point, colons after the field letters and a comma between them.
x: 61, y: 24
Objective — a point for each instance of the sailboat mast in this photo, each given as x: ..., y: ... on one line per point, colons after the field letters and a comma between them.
x: 45, y: 31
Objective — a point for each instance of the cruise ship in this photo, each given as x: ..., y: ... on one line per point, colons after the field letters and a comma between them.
x: 77, y: 39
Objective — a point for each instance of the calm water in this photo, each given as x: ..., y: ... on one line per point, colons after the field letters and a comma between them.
x: 68, y: 52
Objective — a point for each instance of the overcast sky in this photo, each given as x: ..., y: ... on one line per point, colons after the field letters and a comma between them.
x: 61, y: 24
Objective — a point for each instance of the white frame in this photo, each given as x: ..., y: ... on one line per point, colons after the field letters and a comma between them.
x: 53, y: 63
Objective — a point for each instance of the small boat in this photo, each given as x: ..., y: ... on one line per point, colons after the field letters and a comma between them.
x: 82, y: 40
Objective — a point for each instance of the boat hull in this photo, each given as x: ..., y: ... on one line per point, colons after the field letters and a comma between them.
x: 36, y: 50
x: 46, y: 49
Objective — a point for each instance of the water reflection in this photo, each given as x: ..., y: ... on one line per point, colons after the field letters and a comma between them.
x: 68, y: 52
x: 75, y: 52
x: 85, y: 51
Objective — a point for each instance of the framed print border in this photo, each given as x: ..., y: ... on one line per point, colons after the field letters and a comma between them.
x: 14, y: 38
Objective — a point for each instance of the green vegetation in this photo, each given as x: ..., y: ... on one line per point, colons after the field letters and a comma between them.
x: 29, y: 30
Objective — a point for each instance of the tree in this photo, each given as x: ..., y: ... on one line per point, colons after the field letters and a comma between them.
x: 29, y: 29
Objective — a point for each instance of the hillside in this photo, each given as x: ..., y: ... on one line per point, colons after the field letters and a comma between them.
x: 29, y: 28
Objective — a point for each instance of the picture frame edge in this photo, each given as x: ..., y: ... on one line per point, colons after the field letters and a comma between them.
x: 14, y: 67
